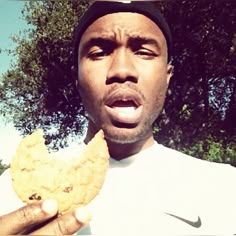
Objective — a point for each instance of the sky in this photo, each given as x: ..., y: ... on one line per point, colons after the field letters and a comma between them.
x: 10, y: 23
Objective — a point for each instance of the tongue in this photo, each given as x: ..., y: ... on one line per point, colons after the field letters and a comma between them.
x: 124, y: 109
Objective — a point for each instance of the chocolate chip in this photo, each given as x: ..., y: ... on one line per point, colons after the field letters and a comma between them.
x: 35, y: 196
x: 68, y: 189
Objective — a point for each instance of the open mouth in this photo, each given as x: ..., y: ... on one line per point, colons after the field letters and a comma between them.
x: 125, y: 105
x: 124, y: 100
x: 124, y: 108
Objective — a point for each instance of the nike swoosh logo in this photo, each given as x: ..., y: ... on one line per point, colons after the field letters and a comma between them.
x: 195, y: 224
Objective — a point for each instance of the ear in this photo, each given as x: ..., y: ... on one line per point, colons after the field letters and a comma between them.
x: 170, y: 71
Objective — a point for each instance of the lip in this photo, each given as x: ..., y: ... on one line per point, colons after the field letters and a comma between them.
x: 124, y: 106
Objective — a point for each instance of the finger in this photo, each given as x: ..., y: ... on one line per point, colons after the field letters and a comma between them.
x: 21, y: 219
x: 67, y: 224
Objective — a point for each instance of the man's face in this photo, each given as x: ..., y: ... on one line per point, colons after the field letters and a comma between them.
x: 123, y: 75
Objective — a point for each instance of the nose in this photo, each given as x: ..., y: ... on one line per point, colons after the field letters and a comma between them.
x: 122, y: 68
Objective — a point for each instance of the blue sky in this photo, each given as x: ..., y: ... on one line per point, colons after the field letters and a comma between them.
x: 10, y: 23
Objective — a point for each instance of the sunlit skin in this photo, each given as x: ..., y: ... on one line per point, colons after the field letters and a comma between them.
x: 123, y: 75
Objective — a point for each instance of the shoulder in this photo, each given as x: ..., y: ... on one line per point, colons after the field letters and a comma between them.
x: 196, y: 164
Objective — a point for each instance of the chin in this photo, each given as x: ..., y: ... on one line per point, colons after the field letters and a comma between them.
x: 124, y: 135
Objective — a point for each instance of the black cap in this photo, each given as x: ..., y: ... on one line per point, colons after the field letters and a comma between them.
x: 101, y: 8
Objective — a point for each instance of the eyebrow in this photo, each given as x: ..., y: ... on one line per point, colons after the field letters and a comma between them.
x: 98, y: 41
x: 140, y: 40
x: 110, y: 40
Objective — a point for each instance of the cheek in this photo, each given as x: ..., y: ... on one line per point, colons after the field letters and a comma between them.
x: 91, y: 74
x: 160, y: 90
x: 85, y: 88
x: 90, y: 88
x: 87, y: 80
x: 156, y: 90
x: 156, y: 81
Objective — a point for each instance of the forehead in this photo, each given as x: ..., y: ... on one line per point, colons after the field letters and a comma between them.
x: 123, y: 24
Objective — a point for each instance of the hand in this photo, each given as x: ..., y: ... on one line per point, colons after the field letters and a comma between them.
x: 41, y: 218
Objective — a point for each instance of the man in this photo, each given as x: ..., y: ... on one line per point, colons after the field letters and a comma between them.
x: 122, y: 55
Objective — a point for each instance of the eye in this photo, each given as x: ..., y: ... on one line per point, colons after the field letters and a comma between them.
x: 100, y: 50
x: 146, y: 54
x: 97, y: 54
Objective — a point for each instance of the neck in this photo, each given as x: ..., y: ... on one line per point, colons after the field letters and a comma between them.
x: 121, y: 151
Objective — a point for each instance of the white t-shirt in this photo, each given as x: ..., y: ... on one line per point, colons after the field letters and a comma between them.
x: 158, y: 191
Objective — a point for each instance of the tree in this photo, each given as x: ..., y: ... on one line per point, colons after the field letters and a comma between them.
x: 3, y: 167
x: 39, y: 90
x: 201, y: 91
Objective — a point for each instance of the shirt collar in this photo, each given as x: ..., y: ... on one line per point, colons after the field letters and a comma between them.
x: 131, y: 159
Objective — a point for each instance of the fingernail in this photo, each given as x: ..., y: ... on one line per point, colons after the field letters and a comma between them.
x: 83, y: 215
x: 50, y: 206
